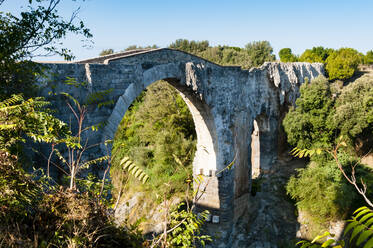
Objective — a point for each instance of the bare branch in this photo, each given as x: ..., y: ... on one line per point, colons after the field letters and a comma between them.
x: 352, y: 179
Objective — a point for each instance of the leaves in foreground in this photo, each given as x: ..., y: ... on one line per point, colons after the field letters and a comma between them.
x: 359, y: 229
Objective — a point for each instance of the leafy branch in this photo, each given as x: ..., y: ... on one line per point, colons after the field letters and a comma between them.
x: 297, y: 152
x: 360, y: 226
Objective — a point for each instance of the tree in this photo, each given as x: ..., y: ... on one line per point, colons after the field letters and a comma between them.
x: 194, y: 47
x: 287, y: 56
x: 36, y: 32
x: 106, y: 52
x: 316, y: 54
x: 368, y: 59
x: 326, y: 120
x: 342, y: 64
x: 354, y: 114
x: 310, y: 124
x: 135, y: 47
x: 359, y: 227
x: 222, y: 55
x: 260, y: 52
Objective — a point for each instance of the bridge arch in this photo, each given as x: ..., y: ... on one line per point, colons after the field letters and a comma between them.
x: 205, y: 156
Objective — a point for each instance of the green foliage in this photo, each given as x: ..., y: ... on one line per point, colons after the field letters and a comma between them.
x: 95, y: 188
x: 128, y: 166
x: 310, y: 124
x: 106, y: 52
x: 342, y: 63
x: 223, y: 55
x: 135, y: 47
x: 321, y: 115
x: 316, y: 54
x: 36, y: 31
x: 156, y: 129
x: 330, y: 242
x: 18, y: 192
x: 31, y: 118
x: 287, y: 56
x: 368, y: 59
x: 254, y: 54
x: 186, y: 228
x: 74, y: 161
x: 36, y: 214
x: 354, y: 112
x: 321, y: 191
x: 260, y: 52
x: 359, y: 228
x: 194, y: 47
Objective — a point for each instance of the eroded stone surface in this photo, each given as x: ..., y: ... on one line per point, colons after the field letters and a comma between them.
x: 224, y: 102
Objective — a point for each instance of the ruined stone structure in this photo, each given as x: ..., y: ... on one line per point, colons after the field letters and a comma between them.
x: 225, y: 102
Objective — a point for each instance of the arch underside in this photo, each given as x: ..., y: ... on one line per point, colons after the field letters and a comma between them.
x: 206, y: 149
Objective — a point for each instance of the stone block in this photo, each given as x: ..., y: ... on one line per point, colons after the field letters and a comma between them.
x: 215, y: 219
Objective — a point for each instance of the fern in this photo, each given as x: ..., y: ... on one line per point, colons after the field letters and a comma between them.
x: 137, y: 172
x: 93, y: 161
x: 361, y: 227
x: 330, y: 242
x: 20, y: 117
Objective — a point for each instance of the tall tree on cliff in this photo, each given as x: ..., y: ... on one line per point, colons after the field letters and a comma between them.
x: 260, y: 52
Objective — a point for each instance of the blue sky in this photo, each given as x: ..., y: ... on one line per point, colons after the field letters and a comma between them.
x: 298, y: 24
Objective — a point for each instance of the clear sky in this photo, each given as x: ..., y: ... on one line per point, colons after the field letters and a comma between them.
x: 298, y: 24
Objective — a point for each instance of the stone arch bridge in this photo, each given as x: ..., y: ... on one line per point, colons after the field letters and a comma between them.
x: 229, y: 105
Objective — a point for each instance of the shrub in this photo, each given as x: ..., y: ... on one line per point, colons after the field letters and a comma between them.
x: 321, y: 190
x: 342, y: 64
x: 36, y: 214
x: 316, y: 54
x: 368, y: 59
x: 322, y: 114
x: 310, y: 123
x: 354, y: 113
x: 260, y: 52
x: 287, y: 56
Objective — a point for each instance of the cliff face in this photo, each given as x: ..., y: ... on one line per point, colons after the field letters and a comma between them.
x: 224, y: 102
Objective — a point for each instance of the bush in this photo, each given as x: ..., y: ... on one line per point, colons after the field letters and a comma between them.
x: 322, y: 114
x: 36, y: 214
x: 260, y: 52
x: 223, y: 55
x: 316, y: 54
x: 310, y: 124
x: 287, y: 56
x: 354, y: 114
x: 321, y: 190
x: 368, y: 59
x: 342, y: 64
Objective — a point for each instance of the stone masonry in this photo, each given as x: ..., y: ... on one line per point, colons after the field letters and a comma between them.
x: 224, y: 102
